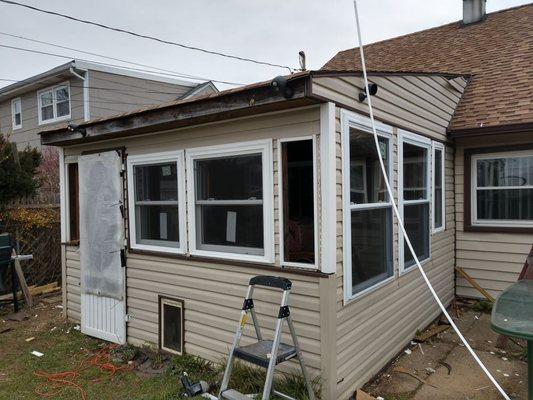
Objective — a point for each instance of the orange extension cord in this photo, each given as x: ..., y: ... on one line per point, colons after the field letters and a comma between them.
x: 57, y: 382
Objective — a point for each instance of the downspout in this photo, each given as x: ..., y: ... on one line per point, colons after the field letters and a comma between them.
x: 85, y: 79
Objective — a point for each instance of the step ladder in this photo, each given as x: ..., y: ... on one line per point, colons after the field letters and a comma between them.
x: 261, y: 353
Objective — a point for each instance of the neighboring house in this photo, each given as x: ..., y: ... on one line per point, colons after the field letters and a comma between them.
x: 202, y: 194
x: 79, y: 91
x: 492, y: 131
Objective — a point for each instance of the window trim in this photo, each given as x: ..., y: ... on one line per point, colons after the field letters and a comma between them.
x: 13, y: 124
x: 234, y: 149
x: 54, y: 104
x: 475, y: 222
x: 424, y: 142
x: 149, y: 159
x: 179, y: 303
x: 438, y: 146
x: 353, y: 120
x: 282, y: 261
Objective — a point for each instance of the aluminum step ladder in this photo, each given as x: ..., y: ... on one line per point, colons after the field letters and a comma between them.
x: 260, y: 353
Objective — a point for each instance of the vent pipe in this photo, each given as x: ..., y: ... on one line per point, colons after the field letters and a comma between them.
x: 473, y: 11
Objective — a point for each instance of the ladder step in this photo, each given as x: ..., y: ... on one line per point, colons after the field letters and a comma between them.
x: 232, y: 394
x: 259, y: 353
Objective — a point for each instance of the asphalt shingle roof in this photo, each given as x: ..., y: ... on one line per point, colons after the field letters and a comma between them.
x: 497, y: 53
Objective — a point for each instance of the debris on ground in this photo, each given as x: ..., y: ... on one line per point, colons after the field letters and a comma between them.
x: 18, y: 317
x: 37, y: 353
x: 48, y: 289
x: 411, y: 374
x: 424, y: 337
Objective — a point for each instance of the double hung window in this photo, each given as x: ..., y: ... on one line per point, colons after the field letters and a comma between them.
x: 54, y: 104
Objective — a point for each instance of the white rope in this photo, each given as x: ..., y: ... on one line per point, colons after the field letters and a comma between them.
x: 400, y: 221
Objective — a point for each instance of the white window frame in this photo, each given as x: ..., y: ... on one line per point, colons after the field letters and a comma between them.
x: 352, y: 120
x: 473, y: 190
x: 420, y: 141
x: 54, y: 104
x: 264, y: 147
x: 150, y: 159
x: 173, y: 303
x: 284, y: 263
x: 13, y: 102
x: 438, y: 146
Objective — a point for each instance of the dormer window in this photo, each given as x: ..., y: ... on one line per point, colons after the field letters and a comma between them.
x: 54, y: 104
x: 16, y: 112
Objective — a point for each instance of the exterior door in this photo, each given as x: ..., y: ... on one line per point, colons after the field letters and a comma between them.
x: 103, y: 304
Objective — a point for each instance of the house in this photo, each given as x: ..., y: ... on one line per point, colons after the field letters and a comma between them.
x: 79, y: 91
x: 168, y: 211
x: 492, y: 132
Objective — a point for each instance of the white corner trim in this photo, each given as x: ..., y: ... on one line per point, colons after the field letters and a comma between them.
x: 328, y: 189
x: 62, y: 195
x: 86, y: 98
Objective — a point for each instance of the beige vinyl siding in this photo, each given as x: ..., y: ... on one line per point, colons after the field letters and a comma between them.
x: 213, y: 292
x: 494, y: 260
x: 72, y: 284
x: 111, y: 94
x: 422, y: 104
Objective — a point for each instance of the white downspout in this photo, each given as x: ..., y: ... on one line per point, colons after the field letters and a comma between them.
x: 85, y: 79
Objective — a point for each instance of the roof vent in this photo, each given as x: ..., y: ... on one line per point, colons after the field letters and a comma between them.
x: 473, y: 11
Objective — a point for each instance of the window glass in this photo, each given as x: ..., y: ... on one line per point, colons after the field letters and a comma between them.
x: 47, y: 106
x: 171, y: 329
x: 416, y: 222
x: 504, y: 188
x: 156, y: 204
x: 17, y: 113
x: 229, y: 205
x: 438, y: 189
x: 370, y: 212
x: 415, y: 171
x: 62, y: 99
x: 366, y: 180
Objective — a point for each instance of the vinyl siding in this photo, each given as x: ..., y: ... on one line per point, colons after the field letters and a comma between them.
x: 213, y: 292
x: 494, y: 260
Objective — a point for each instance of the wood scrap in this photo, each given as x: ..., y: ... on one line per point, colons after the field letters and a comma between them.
x: 474, y: 284
x: 360, y: 395
x: 5, y: 330
x: 424, y: 337
x: 407, y: 372
x: 34, y: 291
x: 22, y: 280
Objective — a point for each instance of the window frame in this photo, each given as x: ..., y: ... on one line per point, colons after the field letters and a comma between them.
x: 151, y: 159
x: 13, y: 123
x: 178, y: 303
x: 494, y: 224
x: 67, y: 160
x: 438, y: 146
x: 352, y: 120
x: 282, y: 261
x: 53, y: 89
x: 424, y: 142
x: 264, y: 147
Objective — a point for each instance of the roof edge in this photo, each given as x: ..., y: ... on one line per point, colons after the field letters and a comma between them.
x: 523, y: 127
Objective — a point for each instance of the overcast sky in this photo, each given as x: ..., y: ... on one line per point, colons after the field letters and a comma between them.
x: 272, y: 30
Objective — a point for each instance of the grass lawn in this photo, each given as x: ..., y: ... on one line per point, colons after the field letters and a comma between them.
x: 65, y: 349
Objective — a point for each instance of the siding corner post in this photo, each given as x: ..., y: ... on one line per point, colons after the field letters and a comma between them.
x: 328, y: 338
x: 328, y: 188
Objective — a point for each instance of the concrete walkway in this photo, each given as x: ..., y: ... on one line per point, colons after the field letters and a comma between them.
x: 448, y: 370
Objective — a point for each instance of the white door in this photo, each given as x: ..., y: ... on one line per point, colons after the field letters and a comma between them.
x: 103, y: 305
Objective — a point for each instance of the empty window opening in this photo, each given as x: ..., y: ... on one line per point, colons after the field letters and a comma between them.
x: 171, y: 325
x: 298, y: 201
x: 73, y: 202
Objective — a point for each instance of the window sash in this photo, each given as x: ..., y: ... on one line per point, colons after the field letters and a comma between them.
x: 47, y: 98
x: 16, y: 111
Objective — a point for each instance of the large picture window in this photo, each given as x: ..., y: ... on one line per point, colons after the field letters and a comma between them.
x: 413, y: 155
x: 54, y: 104
x: 368, y: 209
x: 502, y: 189
x: 230, y: 200
x: 155, y: 197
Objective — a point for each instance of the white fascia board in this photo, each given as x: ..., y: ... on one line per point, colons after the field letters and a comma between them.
x: 328, y: 189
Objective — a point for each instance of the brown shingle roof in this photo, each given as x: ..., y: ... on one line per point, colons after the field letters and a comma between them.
x: 497, y: 52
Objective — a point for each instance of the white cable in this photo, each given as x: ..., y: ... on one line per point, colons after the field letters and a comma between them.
x: 400, y: 221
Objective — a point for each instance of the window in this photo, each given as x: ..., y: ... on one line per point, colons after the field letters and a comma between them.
x: 54, y: 104
x: 439, y: 203
x: 414, y: 196
x: 502, y: 189
x: 368, y: 209
x: 156, y: 191
x: 297, y: 202
x: 73, y: 202
x: 230, y: 189
x: 171, y: 327
x: 16, y: 113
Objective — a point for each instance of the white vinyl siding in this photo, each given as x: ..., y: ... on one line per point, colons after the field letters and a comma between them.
x: 54, y: 104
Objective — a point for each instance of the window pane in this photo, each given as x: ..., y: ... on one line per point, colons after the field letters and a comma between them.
x: 47, y: 113
x: 156, y: 182
x: 230, y: 178
x: 158, y: 225
x: 513, y: 171
x: 63, y: 109
x: 437, y: 201
x: 47, y: 98
x: 172, y: 328
x: 416, y: 220
x: 62, y: 94
x: 18, y: 120
x: 240, y: 227
x: 366, y: 180
x: 415, y: 171
x: 505, y: 204
x: 16, y: 107
x: 371, y: 247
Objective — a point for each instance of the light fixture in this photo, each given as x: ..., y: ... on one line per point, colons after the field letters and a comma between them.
x: 372, y: 89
